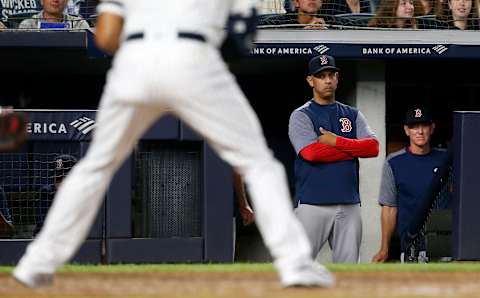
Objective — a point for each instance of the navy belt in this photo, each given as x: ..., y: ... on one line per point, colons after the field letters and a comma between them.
x: 181, y: 34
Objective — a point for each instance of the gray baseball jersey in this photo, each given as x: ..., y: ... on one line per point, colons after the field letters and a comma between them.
x: 302, y: 132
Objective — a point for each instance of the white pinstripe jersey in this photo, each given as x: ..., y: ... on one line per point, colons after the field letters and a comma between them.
x: 207, y: 17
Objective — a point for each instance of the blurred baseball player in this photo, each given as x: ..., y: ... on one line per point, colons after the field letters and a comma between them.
x: 168, y: 58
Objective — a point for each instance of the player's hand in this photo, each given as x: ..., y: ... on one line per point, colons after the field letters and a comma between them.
x: 380, y: 257
x: 327, y: 137
x: 248, y: 216
x: 317, y: 23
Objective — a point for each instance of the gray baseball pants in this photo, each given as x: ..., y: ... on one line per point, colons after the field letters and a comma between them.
x: 340, y: 225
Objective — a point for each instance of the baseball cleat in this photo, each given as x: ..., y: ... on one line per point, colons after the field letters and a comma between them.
x: 309, y: 275
x: 33, y: 280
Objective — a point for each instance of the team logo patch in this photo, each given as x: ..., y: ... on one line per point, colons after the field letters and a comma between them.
x: 346, y: 125
x: 418, y: 113
x: 58, y: 164
x: 323, y: 60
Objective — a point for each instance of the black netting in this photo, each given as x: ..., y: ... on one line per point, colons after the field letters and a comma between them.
x: 168, y: 191
x: 28, y: 183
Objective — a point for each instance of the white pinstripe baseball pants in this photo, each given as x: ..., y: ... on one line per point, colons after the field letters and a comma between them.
x: 190, y: 79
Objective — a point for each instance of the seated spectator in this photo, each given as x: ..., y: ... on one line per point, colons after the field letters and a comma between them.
x: 53, y: 16
x: 442, y: 12
x: 397, y: 14
x: 306, y: 14
x: 61, y: 165
x: 428, y: 7
x: 334, y: 7
x: 463, y: 15
x: 2, y: 26
x: 85, y: 8
x: 271, y: 7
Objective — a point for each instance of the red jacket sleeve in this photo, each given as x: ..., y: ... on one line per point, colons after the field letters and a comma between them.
x: 318, y: 152
x: 367, y: 147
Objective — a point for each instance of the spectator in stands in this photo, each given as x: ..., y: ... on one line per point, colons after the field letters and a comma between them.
x: 85, y: 8
x: 463, y: 15
x: 53, y: 16
x: 2, y: 26
x: 397, y: 14
x: 335, y: 7
x: 428, y: 7
x: 442, y: 12
x: 61, y: 165
x: 306, y: 13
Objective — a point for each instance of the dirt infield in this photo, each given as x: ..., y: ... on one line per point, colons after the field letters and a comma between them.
x: 249, y: 284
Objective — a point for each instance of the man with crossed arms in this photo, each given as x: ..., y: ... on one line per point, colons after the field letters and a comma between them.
x: 329, y: 137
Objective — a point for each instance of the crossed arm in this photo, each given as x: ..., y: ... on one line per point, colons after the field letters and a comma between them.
x: 330, y: 147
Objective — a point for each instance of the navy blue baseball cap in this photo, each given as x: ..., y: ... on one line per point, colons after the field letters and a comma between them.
x: 63, y: 163
x: 320, y: 63
x: 418, y: 115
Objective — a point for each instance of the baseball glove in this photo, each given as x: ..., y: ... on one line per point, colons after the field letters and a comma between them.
x: 13, y: 129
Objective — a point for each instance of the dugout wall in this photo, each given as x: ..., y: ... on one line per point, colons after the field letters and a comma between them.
x: 466, y: 241
x: 381, y: 72
x: 171, y: 201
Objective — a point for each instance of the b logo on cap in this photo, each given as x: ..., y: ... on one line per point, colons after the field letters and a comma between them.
x: 323, y: 60
x: 418, y: 113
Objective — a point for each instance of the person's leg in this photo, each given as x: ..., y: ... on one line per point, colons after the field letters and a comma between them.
x: 317, y: 222
x: 347, y: 234
x: 217, y: 109
x: 81, y: 194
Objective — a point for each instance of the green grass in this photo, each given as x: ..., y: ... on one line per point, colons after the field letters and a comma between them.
x: 265, y: 267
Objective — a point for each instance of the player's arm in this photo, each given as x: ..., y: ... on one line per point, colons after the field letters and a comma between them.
x: 109, y: 25
x: 318, y: 152
x: 243, y: 206
x: 365, y: 145
x: 389, y: 222
x: 388, y: 201
x: 368, y: 147
x: 304, y: 139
